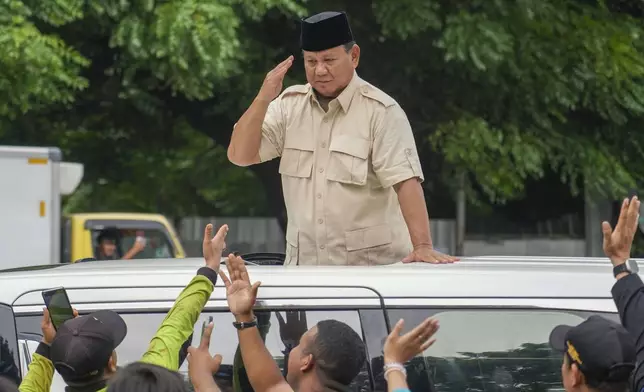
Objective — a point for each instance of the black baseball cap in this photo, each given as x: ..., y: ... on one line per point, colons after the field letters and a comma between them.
x: 83, y: 345
x: 603, y: 350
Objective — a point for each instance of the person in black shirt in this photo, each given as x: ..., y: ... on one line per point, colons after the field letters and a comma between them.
x: 628, y: 291
x: 600, y: 355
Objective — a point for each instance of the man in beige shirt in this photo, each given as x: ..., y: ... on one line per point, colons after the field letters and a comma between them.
x: 350, y: 170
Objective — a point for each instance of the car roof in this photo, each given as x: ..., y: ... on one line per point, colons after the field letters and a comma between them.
x: 477, y: 277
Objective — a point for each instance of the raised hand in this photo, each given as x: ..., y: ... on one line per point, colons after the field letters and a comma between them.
x: 241, y: 295
x: 400, y: 349
x: 618, y: 242
x: 201, y: 365
x: 292, y: 329
x: 213, y: 246
x: 272, y: 86
x: 47, y: 327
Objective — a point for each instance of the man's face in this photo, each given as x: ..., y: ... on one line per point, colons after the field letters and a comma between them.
x: 299, y: 359
x: 108, y: 247
x: 331, y: 70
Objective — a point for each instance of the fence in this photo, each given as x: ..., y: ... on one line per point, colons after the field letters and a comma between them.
x: 248, y: 235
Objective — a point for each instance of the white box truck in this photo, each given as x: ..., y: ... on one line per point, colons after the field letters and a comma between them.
x: 32, y: 180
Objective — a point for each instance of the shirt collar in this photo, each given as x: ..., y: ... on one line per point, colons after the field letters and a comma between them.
x: 346, y: 96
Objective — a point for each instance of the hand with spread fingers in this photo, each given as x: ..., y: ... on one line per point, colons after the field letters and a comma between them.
x: 47, y: 327
x: 400, y: 349
x: 292, y: 329
x: 241, y: 295
x: 201, y: 365
x: 618, y: 242
x: 214, y: 246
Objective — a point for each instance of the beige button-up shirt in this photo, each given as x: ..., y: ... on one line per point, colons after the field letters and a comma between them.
x: 338, y: 170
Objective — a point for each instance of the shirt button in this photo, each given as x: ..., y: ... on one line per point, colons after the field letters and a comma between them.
x: 321, y: 170
x: 320, y: 221
x: 323, y: 145
x: 319, y: 195
x: 321, y: 246
x: 408, y: 151
x: 326, y: 120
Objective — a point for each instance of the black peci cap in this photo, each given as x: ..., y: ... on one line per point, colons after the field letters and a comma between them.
x: 324, y: 31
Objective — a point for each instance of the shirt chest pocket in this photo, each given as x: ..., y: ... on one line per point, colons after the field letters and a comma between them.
x: 297, y: 156
x: 349, y: 160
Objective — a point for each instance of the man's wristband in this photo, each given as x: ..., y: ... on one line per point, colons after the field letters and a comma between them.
x: 245, y: 324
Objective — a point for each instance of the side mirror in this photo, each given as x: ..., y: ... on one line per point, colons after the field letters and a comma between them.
x: 9, y: 354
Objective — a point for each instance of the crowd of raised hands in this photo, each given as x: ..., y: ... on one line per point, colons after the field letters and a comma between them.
x: 241, y: 294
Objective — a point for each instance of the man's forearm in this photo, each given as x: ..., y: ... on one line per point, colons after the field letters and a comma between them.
x: 262, y: 370
x: 247, y: 135
x: 412, y: 204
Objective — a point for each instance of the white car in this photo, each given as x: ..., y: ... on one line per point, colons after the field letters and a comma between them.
x: 495, y: 313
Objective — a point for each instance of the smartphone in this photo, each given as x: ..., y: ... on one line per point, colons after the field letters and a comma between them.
x: 204, y: 325
x: 57, y: 302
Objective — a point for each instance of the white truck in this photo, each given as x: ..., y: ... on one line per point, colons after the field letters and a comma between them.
x: 32, y: 180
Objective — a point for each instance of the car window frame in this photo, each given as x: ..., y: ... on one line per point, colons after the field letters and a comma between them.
x: 614, y: 316
x: 29, y: 322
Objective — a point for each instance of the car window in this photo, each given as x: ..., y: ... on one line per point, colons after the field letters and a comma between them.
x: 9, y: 354
x: 487, y: 350
x: 143, y: 326
x: 157, y: 244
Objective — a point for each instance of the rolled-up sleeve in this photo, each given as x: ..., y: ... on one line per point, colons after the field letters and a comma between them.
x: 394, y: 154
x: 272, y: 132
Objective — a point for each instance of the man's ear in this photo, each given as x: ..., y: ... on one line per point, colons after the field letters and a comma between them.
x: 306, y: 363
x: 576, y: 376
x: 111, y: 364
x: 355, y: 55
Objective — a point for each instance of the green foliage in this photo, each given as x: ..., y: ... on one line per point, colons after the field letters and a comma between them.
x: 532, y: 84
x: 145, y: 92
x: 36, y: 69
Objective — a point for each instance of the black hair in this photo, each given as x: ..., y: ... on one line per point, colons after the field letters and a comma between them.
x: 348, y: 46
x: 110, y: 233
x: 145, y: 377
x: 338, y: 351
x: 7, y: 385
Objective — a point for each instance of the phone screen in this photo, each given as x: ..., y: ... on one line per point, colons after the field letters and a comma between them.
x: 57, y: 302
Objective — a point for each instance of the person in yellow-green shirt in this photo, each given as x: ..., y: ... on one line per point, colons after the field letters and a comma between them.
x: 82, y: 350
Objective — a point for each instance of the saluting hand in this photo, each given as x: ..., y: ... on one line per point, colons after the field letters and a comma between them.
x: 214, y: 246
x: 272, y: 86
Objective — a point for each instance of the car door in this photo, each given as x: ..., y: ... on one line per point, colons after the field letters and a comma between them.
x: 10, y: 362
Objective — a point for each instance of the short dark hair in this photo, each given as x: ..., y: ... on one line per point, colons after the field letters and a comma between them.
x: 348, y: 46
x: 145, y: 377
x: 338, y: 351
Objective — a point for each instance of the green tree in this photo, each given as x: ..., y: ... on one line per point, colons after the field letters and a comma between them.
x: 146, y: 92
x: 528, y: 86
